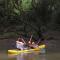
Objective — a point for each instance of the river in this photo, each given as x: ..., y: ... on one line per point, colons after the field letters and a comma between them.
x: 35, y: 56
x: 52, y: 53
x: 30, y: 56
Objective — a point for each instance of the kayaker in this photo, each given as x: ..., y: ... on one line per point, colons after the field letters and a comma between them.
x: 32, y: 44
x: 20, y: 44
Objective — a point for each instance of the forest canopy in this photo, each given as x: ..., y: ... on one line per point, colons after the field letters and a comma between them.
x: 36, y: 16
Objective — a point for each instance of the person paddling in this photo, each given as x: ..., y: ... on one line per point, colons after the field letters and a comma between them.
x: 32, y: 44
x: 20, y: 44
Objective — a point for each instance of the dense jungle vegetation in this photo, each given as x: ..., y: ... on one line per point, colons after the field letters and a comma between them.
x: 29, y: 17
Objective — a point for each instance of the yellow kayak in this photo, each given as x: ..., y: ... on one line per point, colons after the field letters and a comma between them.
x: 14, y: 51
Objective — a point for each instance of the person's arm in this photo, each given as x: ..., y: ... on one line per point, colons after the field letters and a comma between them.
x: 18, y: 42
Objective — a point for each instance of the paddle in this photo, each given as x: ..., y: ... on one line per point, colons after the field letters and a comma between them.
x: 30, y: 39
x: 23, y: 40
x: 38, y: 41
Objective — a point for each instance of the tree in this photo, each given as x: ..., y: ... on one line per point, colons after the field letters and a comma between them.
x: 36, y: 15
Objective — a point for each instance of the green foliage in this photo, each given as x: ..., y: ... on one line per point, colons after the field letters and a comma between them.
x: 26, y: 5
x: 19, y: 6
x: 29, y: 15
x: 16, y: 11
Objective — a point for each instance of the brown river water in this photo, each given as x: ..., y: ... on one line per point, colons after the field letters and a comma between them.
x: 35, y: 55
x: 53, y: 52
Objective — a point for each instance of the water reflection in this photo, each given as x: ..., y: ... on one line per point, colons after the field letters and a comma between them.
x: 31, y: 56
x: 3, y: 55
x: 34, y: 56
x: 24, y: 56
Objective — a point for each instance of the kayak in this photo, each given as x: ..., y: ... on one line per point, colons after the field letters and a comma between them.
x: 15, y: 51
